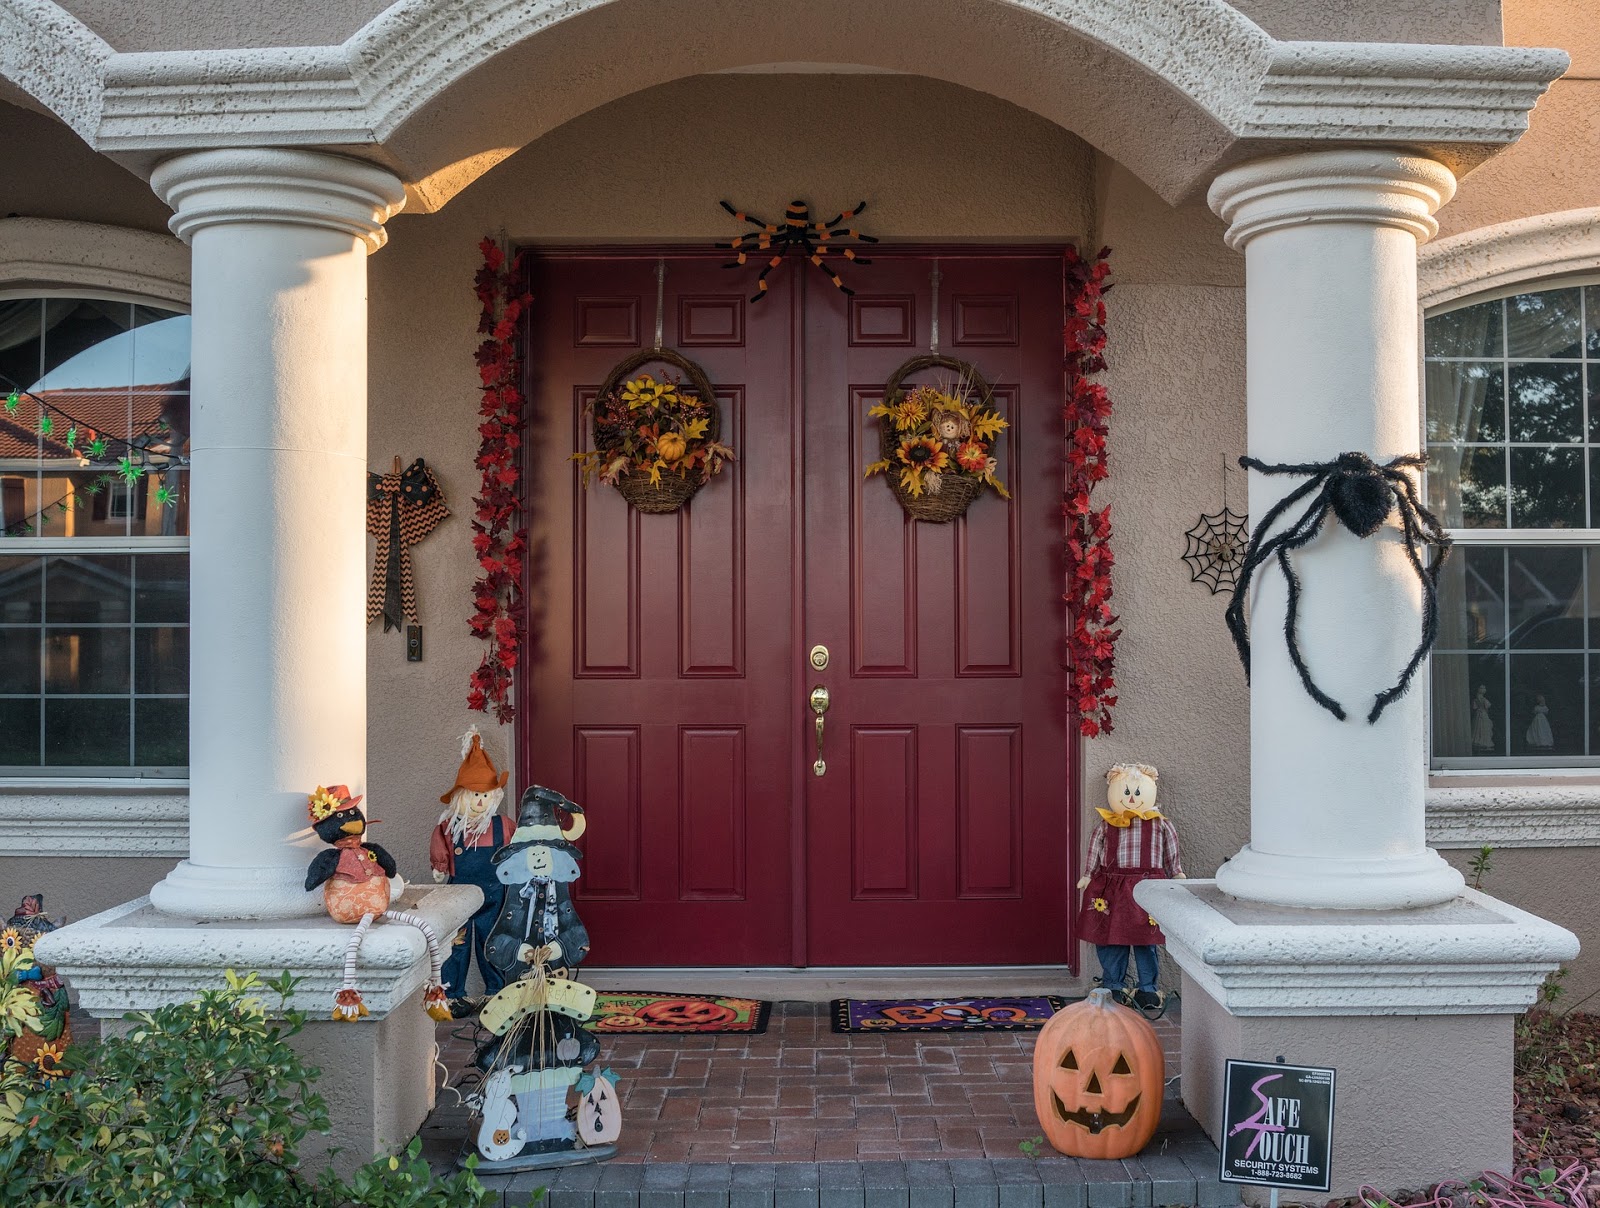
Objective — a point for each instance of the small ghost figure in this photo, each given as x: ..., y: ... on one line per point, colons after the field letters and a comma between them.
x: 355, y: 876
x: 1540, y: 737
x: 1132, y: 843
x: 1482, y: 723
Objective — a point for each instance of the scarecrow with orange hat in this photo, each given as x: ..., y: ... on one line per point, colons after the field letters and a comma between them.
x: 471, y: 829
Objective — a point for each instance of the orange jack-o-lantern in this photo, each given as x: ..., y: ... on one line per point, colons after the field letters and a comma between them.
x: 1098, y: 1074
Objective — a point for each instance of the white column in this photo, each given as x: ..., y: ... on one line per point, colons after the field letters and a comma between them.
x: 278, y: 695
x: 1336, y: 807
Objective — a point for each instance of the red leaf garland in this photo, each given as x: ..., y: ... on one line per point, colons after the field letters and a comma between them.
x: 498, y: 541
x: 1092, y: 639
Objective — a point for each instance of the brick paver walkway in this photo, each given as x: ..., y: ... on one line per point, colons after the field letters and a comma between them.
x: 800, y: 1093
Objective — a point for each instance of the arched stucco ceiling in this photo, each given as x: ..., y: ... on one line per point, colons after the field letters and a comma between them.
x: 441, y: 90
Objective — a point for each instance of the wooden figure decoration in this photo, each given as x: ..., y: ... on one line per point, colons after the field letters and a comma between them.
x: 355, y: 879
x: 539, y: 1060
x: 1098, y: 1077
x: 470, y: 831
x: 34, y: 1026
x: 1132, y: 843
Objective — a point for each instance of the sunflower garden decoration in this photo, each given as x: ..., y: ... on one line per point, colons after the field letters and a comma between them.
x: 655, y: 440
x: 938, y: 440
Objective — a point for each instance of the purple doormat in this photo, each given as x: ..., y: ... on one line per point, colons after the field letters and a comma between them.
x: 944, y: 1014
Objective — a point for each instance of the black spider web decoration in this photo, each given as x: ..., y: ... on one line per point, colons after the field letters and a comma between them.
x: 1214, y: 549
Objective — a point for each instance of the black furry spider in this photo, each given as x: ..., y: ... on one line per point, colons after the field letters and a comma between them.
x: 1361, y: 494
x: 796, y: 231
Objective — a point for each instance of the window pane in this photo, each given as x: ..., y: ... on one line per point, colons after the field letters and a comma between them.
x: 1546, y: 488
x: 1546, y: 597
x: 1472, y: 598
x: 1466, y: 401
x: 161, y: 733
x: 82, y: 350
x: 1468, y: 705
x: 86, y: 660
x: 1467, y: 485
x: 1591, y: 300
x: 19, y: 660
x: 1547, y: 704
x: 1546, y: 402
x: 93, y: 588
x: 19, y: 733
x: 1545, y: 324
x: 161, y: 660
x: 21, y: 584
x: 1472, y: 331
x: 163, y: 588
x: 20, y: 346
x: 160, y: 349
x: 86, y: 733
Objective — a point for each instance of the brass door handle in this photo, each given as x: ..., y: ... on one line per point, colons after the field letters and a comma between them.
x: 819, y: 705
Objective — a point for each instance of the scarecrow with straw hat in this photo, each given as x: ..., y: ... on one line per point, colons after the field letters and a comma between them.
x: 470, y: 830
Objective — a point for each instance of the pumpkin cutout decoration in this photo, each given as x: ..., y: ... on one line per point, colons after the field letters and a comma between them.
x: 599, y: 1111
x: 1098, y: 1077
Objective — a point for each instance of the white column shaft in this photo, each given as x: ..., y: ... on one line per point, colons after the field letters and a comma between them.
x: 277, y: 546
x: 1336, y: 807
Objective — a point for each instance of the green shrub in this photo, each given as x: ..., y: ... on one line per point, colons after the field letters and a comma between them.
x: 201, y: 1105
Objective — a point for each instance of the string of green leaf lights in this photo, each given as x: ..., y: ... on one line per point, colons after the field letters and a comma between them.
x: 92, y: 448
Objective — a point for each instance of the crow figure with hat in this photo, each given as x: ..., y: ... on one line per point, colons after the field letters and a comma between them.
x: 355, y: 878
x: 471, y: 829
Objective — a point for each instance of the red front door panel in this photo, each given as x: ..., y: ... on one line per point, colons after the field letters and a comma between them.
x: 667, y: 690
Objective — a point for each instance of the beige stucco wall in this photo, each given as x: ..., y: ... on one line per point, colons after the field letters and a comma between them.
x: 49, y: 172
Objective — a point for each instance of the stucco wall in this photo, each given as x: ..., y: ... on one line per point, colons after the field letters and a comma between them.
x: 49, y: 172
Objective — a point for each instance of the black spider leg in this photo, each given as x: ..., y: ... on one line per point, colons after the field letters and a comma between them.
x: 1421, y: 527
x: 817, y: 258
x: 761, y: 277
x: 768, y: 227
x: 1255, y: 555
x: 1303, y: 532
x: 849, y: 253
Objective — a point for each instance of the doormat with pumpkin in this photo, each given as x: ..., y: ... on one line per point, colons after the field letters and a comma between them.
x: 642, y: 1012
x: 944, y: 1014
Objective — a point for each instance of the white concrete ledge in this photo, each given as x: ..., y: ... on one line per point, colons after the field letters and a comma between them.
x: 59, y: 254
x: 1475, y: 955
x: 1508, y: 254
x: 1514, y: 815
x: 84, y: 818
x: 134, y: 958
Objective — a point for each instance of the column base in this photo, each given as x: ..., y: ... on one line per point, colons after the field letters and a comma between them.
x: 1414, y: 1009
x: 1330, y: 884
x: 377, y: 1074
x: 215, y: 892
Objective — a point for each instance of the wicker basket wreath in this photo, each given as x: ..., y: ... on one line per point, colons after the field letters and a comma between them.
x: 936, y: 442
x: 677, y: 481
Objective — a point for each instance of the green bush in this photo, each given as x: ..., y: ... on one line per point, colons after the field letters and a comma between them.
x: 201, y: 1105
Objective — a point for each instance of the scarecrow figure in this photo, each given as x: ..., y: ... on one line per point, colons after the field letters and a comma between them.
x: 471, y: 829
x: 354, y: 876
x: 1132, y: 843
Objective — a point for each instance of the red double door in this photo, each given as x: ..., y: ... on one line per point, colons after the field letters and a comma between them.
x: 669, y: 691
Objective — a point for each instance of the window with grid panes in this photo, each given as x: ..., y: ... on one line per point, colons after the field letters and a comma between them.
x: 94, y: 570
x: 1512, y: 420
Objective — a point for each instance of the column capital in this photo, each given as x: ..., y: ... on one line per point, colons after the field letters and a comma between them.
x: 1373, y: 185
x: 272, y: 184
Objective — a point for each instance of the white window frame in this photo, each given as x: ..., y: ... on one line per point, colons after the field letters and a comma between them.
x: 31, y: 802
x: 1553, y: 803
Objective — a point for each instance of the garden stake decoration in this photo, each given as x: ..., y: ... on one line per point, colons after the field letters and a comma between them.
x: 499, y: 536
x: 1098, y: 1077
x: 354, y: 876
x: 542, y: 1048
x: 1093, y: 633
x: 1361, y: 495
x: 797, y: 232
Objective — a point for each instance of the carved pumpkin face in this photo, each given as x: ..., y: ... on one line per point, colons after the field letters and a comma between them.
x: 599, y: 1113
x: 1098, y: 1076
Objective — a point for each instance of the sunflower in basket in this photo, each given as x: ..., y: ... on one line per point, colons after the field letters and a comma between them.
x: 653, y: 429
x: 934, y: 432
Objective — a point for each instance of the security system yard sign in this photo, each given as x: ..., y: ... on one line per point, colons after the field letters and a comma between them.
x: 1277, y: 1125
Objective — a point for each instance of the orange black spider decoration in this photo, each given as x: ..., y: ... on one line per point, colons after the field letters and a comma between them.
x: 797, y: 231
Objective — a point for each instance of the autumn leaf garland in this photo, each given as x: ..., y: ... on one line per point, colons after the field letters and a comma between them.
x: 1092, y: 637
x: 498, y: 538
